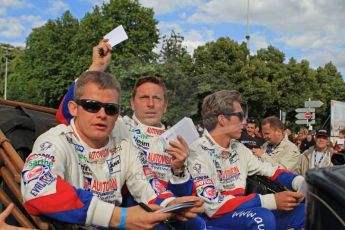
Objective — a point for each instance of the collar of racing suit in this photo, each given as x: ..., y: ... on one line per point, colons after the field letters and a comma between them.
x: 152, y: 130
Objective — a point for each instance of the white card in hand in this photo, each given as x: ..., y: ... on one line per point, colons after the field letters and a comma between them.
x: 176, y: 207
x: 116, y: 36
x: 184, y: 128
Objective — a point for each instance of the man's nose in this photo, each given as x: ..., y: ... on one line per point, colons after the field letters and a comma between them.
x: 150, y: 102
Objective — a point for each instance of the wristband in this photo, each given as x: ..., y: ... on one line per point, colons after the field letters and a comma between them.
x: 122, y: 225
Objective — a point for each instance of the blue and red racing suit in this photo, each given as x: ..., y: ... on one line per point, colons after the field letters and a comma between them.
x: 65, y: 179
x: 220, y: 179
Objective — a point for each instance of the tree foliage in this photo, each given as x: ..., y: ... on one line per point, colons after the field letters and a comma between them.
x: 60, y: 51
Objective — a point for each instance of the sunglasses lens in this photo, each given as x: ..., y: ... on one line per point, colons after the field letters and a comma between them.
x: 111, y: 109
x: 91, y: 106
x: 240, y: 116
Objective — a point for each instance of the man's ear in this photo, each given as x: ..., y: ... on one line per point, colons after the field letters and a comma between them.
x: 72, y: 108
x: 221, y: 120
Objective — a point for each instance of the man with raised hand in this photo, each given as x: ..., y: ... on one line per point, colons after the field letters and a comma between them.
x: 164, y: 168
x: 220, y: 165
x: 75, y: 173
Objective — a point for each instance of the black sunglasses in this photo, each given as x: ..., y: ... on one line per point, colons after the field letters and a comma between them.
x: 240, y: 115
x: 92, y: 106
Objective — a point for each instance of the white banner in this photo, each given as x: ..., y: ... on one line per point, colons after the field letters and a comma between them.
x: 337, y: 117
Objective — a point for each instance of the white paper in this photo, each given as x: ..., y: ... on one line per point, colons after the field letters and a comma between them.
x: 184, y: 128
x: 116, y: 36
x: 175, y: 207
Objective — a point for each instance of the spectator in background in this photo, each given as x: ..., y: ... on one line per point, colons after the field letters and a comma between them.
x: 288, y: 133
x: 249, y: 137
x: 307, y: 142
x: 318, y: 156
x: 300, y: 136
x: 278, y: 149
x: 340, y: 142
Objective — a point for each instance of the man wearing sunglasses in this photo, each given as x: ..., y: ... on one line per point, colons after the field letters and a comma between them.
x: 278, y: 149
x: 220, y: 165
x: 75, y: 173
x: 164, y: 168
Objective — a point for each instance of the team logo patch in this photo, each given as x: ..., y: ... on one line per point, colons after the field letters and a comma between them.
x: 114, y: 164
x: 157, y: 186
x: 209, y: 192
x: 45, y: 145
x: 34, y: 173
x: 197, y: 167
x: 77, y: 147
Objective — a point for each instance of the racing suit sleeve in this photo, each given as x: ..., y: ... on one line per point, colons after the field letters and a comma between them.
x: 136, y: 181
x: 181, y: 186
x: 46, y: 191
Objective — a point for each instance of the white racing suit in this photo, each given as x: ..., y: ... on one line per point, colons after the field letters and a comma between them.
x: 64, y: 179
x: 155, y: 161
x: 220, y: 179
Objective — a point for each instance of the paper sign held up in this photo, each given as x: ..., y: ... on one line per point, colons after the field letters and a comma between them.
x: 184, y: 128
x: 116, y: 36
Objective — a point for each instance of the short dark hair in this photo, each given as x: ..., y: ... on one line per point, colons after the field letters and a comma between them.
x: 150, y: 79
x: 251, y: 120
x: 220, y: 102
x: 274, y: 123
x: 101, y: 79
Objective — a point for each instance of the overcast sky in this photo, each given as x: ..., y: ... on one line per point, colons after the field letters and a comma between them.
x: 304, y: 29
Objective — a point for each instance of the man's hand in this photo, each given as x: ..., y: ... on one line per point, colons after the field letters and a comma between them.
x: 179, y: 152
x: 258, y: 152
x: 4, y: 215
x: 288, y: 200
x: 101, y: 62
x: 188, y: 213
x: 138, y: 218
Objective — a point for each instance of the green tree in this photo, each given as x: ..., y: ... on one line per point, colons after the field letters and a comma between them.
x: 176, y: 67
x: 46, y: 61
x: 59, y: 51
x: 8, y: 52
x: 218, y: 65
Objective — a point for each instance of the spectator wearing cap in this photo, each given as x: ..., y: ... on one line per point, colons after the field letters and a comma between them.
x: 278, y: 149
x: 318, y: 156
x: 307, y: 142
